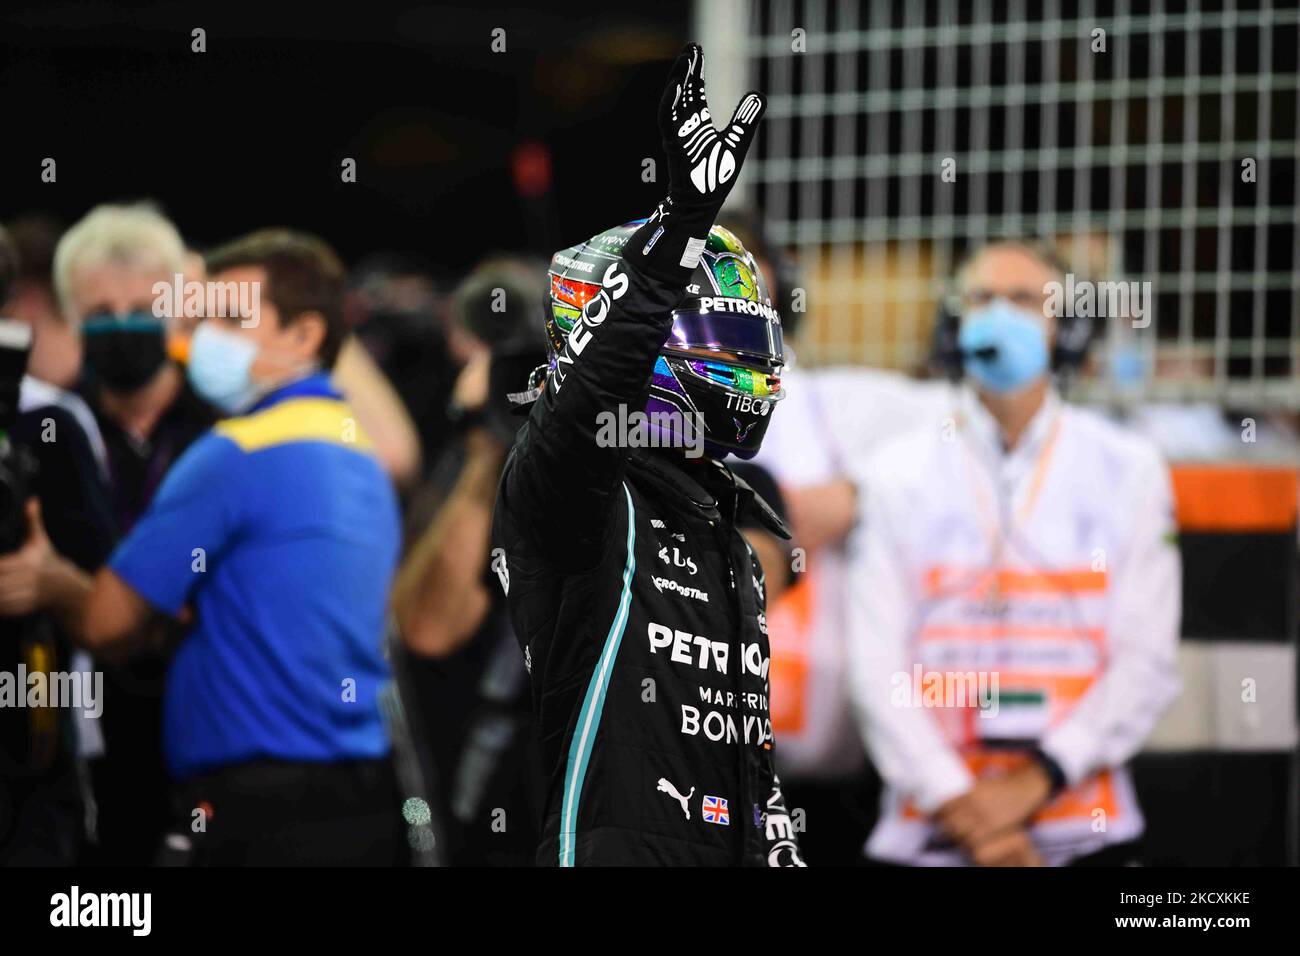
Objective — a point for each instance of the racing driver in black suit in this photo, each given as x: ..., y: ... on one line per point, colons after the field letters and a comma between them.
x: 639, y: 605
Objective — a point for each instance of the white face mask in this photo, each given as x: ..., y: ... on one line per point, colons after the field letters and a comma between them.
x: 220, y: 367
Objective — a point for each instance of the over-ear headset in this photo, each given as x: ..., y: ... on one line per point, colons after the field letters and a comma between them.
x: 1074, y: 333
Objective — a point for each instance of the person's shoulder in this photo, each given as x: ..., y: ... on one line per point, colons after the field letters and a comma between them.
x: 905, y: 459
x: 51, y: 431
x: 313, y: 420
x: 211, y: 454
x: 1119, y: 447
x: 868, y: 406
x: 862, y: 377
x: 209, y: 464
x: 35, y: 393
x: 1109, y: 436
x: 38, y: 415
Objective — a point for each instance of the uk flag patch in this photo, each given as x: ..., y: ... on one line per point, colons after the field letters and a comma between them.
x: 715, y: 811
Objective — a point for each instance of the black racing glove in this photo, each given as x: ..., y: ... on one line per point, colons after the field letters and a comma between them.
x: 702, y: 168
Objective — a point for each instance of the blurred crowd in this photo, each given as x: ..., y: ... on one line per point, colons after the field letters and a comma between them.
x: 120, y: 379
x: 152, y: 430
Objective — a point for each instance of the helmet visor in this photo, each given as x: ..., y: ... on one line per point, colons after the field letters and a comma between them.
x: 754, y: 335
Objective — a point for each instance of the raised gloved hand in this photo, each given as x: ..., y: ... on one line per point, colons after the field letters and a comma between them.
x: 703, y: 164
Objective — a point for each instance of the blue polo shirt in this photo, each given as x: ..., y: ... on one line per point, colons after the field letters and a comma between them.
x: 281, y: 530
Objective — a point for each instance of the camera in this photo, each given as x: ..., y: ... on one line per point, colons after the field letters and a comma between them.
x: 17, y: 464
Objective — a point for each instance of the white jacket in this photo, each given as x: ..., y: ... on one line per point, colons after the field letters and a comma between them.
x: 1051, y: 569
x: 832, y: 419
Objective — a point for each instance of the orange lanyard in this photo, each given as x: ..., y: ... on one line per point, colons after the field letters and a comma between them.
x: 991, y: 514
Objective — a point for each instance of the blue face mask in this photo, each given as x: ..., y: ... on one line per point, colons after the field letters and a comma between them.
x: 220, y: 366
x: 1003, y: 348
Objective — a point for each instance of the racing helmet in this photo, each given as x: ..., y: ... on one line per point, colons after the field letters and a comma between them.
x: 720, y: 368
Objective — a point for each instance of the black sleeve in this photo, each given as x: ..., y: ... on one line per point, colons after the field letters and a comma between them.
x: 560, y: 483
x: 74, y: 499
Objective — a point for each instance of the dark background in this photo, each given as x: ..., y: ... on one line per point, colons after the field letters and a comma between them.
x: 253, y: 132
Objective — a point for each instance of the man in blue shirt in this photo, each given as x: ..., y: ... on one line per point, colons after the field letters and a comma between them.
x: 276, y: 536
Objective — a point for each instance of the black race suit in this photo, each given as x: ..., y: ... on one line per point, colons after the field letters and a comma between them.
x: 640, y: 609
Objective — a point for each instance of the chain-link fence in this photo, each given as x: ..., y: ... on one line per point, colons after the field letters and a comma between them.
x: 1152, y: 142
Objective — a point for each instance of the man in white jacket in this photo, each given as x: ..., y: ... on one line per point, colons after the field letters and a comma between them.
x: 1014, y: 610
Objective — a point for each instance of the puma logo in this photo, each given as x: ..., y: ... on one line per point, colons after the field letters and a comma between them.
x: 668, y: 788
